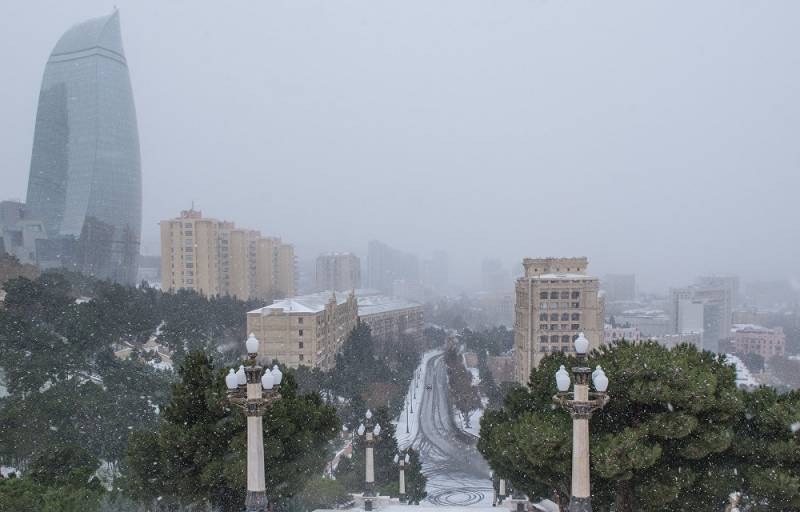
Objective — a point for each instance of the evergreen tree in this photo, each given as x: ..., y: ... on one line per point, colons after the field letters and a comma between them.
x: 660, y: 444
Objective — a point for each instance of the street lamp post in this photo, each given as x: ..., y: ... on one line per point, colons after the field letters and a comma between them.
x: 401, y: 462
x: 253, y: 389
x: 581, y: 403
x: 371, y: 434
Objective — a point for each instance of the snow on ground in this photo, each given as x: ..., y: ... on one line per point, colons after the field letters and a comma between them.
x: 474, y: 421
x: 404, y: 439
x: 7, y: 470
x: 744, y: 379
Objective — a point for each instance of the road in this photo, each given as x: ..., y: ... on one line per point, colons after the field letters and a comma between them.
x: 457, y: 474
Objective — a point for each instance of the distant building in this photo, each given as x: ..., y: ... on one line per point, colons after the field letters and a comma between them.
x: 389, y: 269
x: 501, y: 368
x: 307, y: 330
x: 85, y: 180
x: 611, y: 334
x: 555, y: 301
x: 338, y: 271
x: 650, y: 322
x: 214, y: 257
x: 766, y: 342
x: 712, y: 307
x: 435, y: 273
x: 619, y: 287
x: 20, y: 233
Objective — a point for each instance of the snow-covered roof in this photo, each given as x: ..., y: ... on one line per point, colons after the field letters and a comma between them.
x: 312, y: 303
x: 750, y: 328
x: 374, y: 304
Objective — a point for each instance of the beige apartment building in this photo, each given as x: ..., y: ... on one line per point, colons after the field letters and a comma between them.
x: 555, y: 301
x: 391, y: 319
x: 214, y: 257
x: 307, y: 330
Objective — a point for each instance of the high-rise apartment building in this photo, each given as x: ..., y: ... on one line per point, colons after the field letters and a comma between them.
x: 214, y: 257
x: 338, y: 271
x: 556, y: 300
x: 85, y: 180
x: 389, y: 269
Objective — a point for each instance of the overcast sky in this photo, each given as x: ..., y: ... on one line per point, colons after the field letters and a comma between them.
x: 653, y: 137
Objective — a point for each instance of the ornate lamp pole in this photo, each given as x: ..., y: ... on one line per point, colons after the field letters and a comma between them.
x: 581, y: 403
x: 371, y: 434
x: 253, y: 389
x: 401, y: 462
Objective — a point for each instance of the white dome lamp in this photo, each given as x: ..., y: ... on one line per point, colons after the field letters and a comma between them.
x: 369, y: 414
x: 252, y: 345
x: 267, y: 381
x: 277, y: 375
x: 408, y: 458
x: 241, y: 378
x: 581, y: 345
x: 562, y: 380
x: 377, y: 430
x: 361, y: 429
x: 600, y: 382
x: 597, y: 370
x: 396, y: 458
x: 231, y: 381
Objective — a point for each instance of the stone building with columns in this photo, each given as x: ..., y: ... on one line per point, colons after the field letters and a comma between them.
x: 555, y: 301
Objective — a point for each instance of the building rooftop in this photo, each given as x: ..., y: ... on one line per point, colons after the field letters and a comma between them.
x: 743, y: 376
x: 370, y: 302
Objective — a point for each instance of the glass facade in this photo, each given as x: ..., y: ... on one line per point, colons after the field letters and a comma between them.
x: 85, y: 179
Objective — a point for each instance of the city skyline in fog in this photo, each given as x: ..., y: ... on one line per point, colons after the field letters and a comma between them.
x: 656, y: 139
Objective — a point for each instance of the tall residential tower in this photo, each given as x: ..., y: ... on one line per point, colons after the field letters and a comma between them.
x: 85, y: 178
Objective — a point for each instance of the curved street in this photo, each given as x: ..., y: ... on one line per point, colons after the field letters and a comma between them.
x: 457, y: 474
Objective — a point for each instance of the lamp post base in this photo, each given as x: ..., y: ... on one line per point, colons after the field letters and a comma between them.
x: 367, y: 505
x: 255, y: 501
x: 402, y: 498
x: 580, y: 504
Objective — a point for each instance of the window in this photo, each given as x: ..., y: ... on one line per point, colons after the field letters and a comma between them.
x: 300, y: 345
x: 576, y: 295
x: 542, y: 339
x: 542, y: 327
x: 564, y: 317
x: 543, y: 295
x: 565, y: 339
x: 300, y: 332
x: 576, y: 317
x: 575, y: 327
x: 300, y: 357
x: 564, y: 295
x: 553, y: 327
x: 553, y: 339
x: 300, y: 320
x: 543, y: 316
x: 553, y: 316
x: 553, y: 295
x: 576, y: 304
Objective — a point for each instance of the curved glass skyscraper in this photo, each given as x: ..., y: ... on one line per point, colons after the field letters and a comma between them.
x: 85, y: 180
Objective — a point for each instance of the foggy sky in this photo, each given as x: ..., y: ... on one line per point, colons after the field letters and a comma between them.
x: 653, y: 137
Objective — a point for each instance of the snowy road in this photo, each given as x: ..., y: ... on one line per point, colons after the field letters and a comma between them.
x: 457, y: 474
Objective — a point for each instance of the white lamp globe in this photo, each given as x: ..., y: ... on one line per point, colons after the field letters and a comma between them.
x: 277, y: 375
x: 601, y: 382
x: 267, y: 381
x: 396, y: 458
x: 408, y: 459
x: 597, y: 370
x: 241, y: 378
x: 562, y: 379
x: 581, y: 344
x: 231, y: 381
x: 369, y: 414
x: 376, y: 430
x: 252, y: 344
x: 361, y: 429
